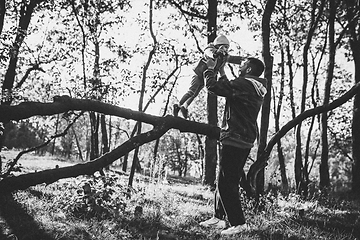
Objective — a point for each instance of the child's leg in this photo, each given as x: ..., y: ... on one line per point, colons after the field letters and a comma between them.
x: 197, y: 84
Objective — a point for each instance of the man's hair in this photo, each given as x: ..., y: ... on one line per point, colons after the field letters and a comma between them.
x: 257, y: 66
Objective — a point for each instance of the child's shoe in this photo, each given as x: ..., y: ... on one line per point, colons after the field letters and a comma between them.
x: 176, y: 109
x: 184, y: 112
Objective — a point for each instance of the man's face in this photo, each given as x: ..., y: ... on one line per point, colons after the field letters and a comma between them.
x: 245, y: 68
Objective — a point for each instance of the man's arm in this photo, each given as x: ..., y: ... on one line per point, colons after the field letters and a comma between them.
x: 221, y: 87
x: 235, y: 59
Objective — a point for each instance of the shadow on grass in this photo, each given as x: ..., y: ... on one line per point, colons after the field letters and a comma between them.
x: 153, y: 228
x: 342, y: 229
x: 266, y: 235
x: 40, y: 194
x: 18, y: 222
x: 334, y: 224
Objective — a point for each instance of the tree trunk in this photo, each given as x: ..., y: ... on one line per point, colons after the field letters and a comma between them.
x: 26, y: 11
x: 78, y: 145
x: 2, y: 14
x: 104, y: 136
x: 135, y: 163
x: 56, y: 129
x: 291, y: 80
x: 95, y: 82
x: 126, y: 157
x: 265, y: 111
x: 324, y: 165
x: 352, y: 9
x: 356, y: 134
x: 210, y: 144
x: 94, y: 135
x: 277, y: 114
x: 299, y: 168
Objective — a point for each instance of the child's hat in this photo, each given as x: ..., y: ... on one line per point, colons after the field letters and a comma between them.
x: 221, y: 39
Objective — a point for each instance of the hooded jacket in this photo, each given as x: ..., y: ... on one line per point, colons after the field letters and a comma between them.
x: 244, y: 97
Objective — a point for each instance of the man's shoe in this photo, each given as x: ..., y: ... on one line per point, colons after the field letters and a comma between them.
x: 176, y: 109
x: 184, y: 112
x: 235, y: 229
x: 214, y: 222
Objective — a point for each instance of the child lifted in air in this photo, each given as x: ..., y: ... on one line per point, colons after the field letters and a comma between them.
x: 218, y: 51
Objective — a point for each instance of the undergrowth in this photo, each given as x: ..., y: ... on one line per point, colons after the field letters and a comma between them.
x: 103, y: 207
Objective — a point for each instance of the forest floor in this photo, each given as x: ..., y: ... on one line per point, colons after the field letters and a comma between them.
x: 97, y: 207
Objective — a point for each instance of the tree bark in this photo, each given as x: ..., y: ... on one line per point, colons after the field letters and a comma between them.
x: 2, y: 14
x: 324, y: 165
x: 277, y: 115
x: 104, y: 136
x: 94, y: 135
x: 265, y: 111
x: 26, y: 11
x: 211, y: 144
x: 298, y: 166
x: 352, y: 9
x: 135, y: 164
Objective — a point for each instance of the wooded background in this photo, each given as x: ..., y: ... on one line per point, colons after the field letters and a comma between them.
x: 72, y: 70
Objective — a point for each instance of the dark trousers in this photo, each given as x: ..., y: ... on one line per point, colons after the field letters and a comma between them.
x: 227, y: 199
x: 197, y: 83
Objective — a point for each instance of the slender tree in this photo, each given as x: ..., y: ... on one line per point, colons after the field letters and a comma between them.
x: 277, y: 115
x: 25, y: 13
x: 314, y: 20
x: 268, y: 61
x: 352, y: 14
x: 211, y: 144
x: 142, y: 91
x: 324, y: 165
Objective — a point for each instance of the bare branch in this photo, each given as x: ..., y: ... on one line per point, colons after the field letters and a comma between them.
x: 16, y: 159
x: 26, y: 75
x: 261, y: 162
x: 183, y: 11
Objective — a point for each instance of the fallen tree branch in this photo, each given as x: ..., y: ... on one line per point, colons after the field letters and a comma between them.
x: 52, y: 175
x: 161, y: 125
x: 63, y: 104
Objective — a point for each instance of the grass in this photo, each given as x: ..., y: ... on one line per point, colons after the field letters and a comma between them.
x: 64, y: 211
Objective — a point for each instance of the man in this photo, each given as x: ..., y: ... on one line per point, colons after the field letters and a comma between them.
x: 244, y: 97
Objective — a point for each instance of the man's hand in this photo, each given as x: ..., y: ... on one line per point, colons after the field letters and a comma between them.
x: 210, y: 63
x: 222, y: 71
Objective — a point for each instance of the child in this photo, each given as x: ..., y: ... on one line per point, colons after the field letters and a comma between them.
x: 218, y: 51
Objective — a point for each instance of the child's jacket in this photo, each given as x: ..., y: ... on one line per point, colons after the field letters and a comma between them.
x: 210, y: 52
x: 244, y: 97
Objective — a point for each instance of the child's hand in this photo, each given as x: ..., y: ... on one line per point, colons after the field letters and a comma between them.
x: 220, y: 53
x: 210, y: 63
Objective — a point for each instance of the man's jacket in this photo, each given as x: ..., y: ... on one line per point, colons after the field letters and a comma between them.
x: 244, y: 97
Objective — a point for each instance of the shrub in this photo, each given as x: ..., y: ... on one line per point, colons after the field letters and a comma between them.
x: 98, y: 196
